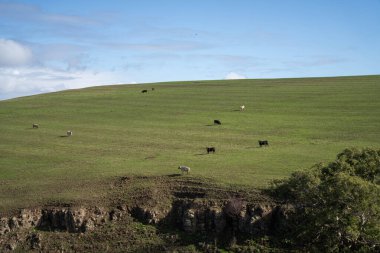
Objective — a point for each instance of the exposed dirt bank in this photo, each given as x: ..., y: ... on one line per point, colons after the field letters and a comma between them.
x: 147, y: 214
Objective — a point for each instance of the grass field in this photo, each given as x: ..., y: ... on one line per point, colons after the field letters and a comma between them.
x: 117, y: 130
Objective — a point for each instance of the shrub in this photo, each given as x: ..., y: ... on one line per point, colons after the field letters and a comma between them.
x: 336, y: 207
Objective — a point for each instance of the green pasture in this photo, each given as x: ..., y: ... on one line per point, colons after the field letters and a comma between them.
x: 119, y: 131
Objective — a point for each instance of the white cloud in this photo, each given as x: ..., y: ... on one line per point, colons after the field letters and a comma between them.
x: 13, y: 53
x: 20, y: 76
x: 34, y: 80
x: 233, y: 75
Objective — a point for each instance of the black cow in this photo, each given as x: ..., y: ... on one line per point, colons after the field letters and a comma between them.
x: 217, y: 122
x: 263, y: 143
x: 210, y: 149
x: 152, y: 88
x: 144, y: 91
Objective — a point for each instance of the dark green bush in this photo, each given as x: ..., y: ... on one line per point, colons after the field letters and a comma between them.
x: 336, y: 207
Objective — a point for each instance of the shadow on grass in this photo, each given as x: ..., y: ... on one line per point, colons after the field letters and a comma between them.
x: 201, y: 154
x: 63, y: 136
x: 174, y: 175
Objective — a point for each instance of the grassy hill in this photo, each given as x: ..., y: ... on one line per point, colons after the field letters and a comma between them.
x: 117, y: 130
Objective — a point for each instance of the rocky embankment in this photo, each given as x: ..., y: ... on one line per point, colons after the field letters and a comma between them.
x: 181, y: 204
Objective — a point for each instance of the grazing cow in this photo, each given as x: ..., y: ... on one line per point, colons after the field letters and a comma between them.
x: 184, y: 169
x: 217, y: 122
x: 69, y: 133
x: 263, y: 143
x: 152, y: 88
x: 35, y: 125
x: 242, y: 107
x: 144, y: 91
x: 210, y: 149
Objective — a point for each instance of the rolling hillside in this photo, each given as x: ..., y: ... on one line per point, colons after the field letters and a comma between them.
x: 118, y: 131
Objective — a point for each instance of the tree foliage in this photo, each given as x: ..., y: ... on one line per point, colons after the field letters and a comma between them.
x: 336, y: 207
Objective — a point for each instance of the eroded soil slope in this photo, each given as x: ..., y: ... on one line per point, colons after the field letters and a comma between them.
x: 148, y: 214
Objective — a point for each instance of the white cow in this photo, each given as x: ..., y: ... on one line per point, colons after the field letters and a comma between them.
x: 69, y: 133
x: 184, y: 169
x: 242, y: 107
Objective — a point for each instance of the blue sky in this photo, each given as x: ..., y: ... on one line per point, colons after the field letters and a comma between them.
x: 54, y: 45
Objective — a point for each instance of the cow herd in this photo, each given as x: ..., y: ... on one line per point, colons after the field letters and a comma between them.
x: 208, y: 149
x: 212, y: 149
x: 218, y: 122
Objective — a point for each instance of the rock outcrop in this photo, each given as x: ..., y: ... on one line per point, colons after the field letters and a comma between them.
x: 74, y: 220
x: 189, y: 208
x: 194, y: 217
